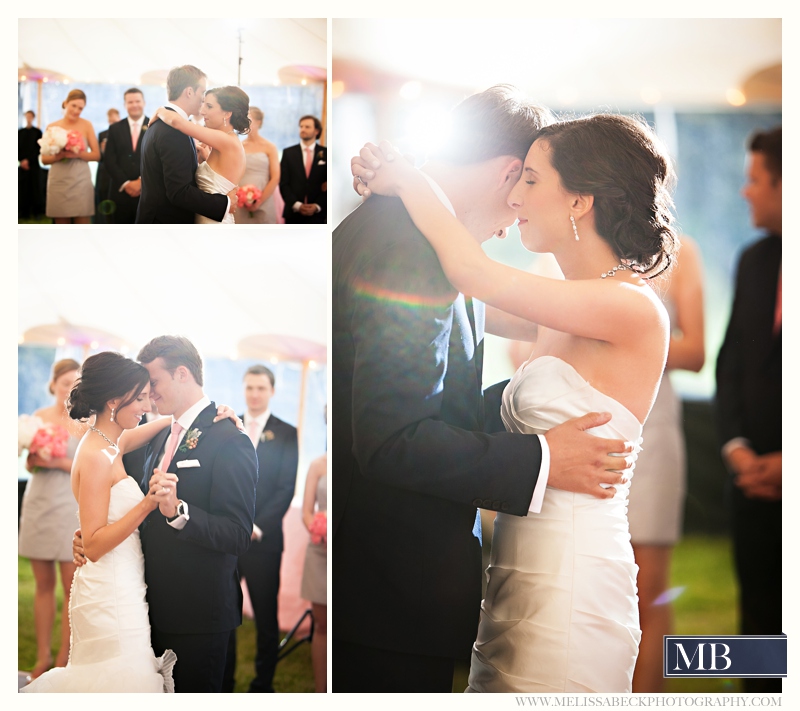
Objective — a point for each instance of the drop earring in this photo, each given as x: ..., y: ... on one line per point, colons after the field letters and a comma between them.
x: 574, y: 228
x: 112, y: 414
x: 224, y: 120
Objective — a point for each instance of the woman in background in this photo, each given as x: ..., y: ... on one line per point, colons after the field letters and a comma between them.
x: 658, y: 491
x: 263, y: 170
x: 49, y: 517
x: 315, y: 571
x: 70, y: 193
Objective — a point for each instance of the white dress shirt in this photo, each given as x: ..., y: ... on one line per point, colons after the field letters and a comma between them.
x: 185, y: 421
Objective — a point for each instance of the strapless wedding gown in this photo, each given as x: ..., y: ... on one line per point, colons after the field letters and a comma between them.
x: 560, y: 613
x: 211, y: 182
x: 110, y: 647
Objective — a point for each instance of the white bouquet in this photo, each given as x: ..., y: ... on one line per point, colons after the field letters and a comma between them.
x: 29, y: 425
x: 53, y: 141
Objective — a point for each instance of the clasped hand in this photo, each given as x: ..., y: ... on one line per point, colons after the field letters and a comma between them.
x: 376, y: 169
x: 164, y: 492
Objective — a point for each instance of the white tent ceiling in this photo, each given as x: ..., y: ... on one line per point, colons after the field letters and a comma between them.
x: 561, y: 62
x: 253, y: 295
x: 135, y: 51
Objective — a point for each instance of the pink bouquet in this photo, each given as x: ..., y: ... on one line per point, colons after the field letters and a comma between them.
x: 319, y: 528
x: 49, y: 442
x: 75, y: 142
x: 247, y: 196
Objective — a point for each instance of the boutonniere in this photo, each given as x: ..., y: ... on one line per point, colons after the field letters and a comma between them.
x: 267, y: 436
x: 144, y: 127
x: 191, y: 440
x: 320, y: 155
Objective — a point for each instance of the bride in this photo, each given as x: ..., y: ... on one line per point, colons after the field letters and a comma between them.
x: 224, y: 111
x: 110, y: 648
x: 560, y: 614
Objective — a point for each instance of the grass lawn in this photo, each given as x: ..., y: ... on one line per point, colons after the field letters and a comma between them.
x: 704, y: 567
x: 293, y: 674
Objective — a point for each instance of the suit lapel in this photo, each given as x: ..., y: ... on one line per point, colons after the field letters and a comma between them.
x: 201, y: 423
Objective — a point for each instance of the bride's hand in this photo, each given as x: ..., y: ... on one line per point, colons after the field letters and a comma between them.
x: 203, y: 151
x: 227, y: 413
x: 376, y: 169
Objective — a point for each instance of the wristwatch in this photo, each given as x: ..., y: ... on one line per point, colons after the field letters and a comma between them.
x: 182, y: 512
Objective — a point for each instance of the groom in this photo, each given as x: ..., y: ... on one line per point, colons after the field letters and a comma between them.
x: 412, y: 466
x: 169, y: 161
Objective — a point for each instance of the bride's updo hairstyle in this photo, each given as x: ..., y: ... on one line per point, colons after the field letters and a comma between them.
x: 622, y: 164
x: 102, y: 378
x: 74, y: 94
x: 233, y: 99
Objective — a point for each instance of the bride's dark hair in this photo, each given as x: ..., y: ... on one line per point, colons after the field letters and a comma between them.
x: 102, y: 378
x: 622, y: 164
x: 233, y: 99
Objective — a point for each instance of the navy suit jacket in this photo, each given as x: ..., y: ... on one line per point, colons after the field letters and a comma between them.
x: 296, y: 187
x: 411, y: 465
x: 192, y: 581
x: 749, y: 364
x: 169, y: 191
x: 277, y: 473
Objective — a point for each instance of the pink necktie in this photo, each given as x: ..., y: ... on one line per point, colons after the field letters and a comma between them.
x: 172, y: 445
x: 778, y: 308
x: 252, y: 428
x: 134, y: 135
x: 308, y: 151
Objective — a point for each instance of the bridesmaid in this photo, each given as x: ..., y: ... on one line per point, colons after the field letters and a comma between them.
x: 70, y: 193
x: 263, y: 170
x: 314, y: 586
x: 48, y: 520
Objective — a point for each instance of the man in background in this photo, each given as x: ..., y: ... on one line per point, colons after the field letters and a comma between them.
x: 277, y: 451
x: 123, y: 159
x: 29, y: 174
x: 749, y: 402
x: 304, y: 177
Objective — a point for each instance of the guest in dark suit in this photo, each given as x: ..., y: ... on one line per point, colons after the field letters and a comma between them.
x: 101, y: 182
x: 122, y: 160
x: 204, y: 522
x: 411, y: 465
x: 29, y: 174
x: 749, y: 389
x: 304, y: 177
x: 169, y: 160
x: 276, y: 448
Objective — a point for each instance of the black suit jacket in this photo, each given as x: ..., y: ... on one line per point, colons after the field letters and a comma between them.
x: 411, y: 465
x: 277, y: 454
x: 749, y: 380
x: 192, y: 583
x: 122, y: 164
x: 296, y: 187
x: 169, y: 191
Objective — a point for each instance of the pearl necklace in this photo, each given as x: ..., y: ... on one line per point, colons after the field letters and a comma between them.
x: 612, y: 272
x: 94, y: 429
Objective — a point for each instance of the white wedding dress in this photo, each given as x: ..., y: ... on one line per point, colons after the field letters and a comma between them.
x: 110, y: 643
x: 560, y: 613
x: 211, y: 182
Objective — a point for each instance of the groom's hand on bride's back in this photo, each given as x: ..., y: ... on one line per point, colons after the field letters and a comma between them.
x: 582, y: 463
x: 77, y: 549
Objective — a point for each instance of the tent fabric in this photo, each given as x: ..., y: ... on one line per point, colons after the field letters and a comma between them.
x: 219, y: 290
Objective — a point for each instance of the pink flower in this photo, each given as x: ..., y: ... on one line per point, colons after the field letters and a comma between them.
x: 50, y: 442
x: 319, y: 528
x: 75, y: 142
x: 247, y: 196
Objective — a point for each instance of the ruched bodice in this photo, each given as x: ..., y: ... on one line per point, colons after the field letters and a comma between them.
x: 209, y: 181
x: 560, y: 612
x: 110, y: 647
